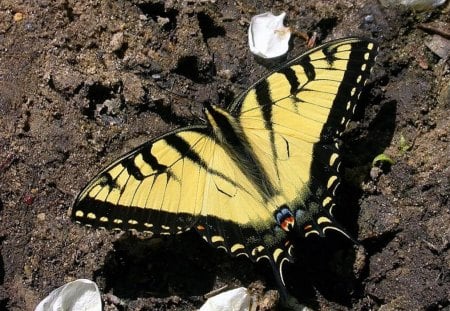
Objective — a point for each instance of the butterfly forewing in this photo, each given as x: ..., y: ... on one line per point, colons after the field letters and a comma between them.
x: 293, y: 117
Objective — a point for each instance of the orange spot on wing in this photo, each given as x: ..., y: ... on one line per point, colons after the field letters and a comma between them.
x: 287, y: 223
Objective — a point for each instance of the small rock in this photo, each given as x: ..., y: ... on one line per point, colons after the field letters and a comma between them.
x: 439, y: 46
x: 133, y: 91
x: 109, y: 107
x: 113, y: 299
x: 369, y: 18
x: 29, y: 27
x: 360, y: 261
x: 28, y: 271
x: 444, y: 96
x: 156, y: 76
x: 28, y: 199
x: 65, y: 80
x: 162, y: 21
x: 269, y: 301
x: 375, y: 173
x: 41, y: 216
x: 225, y: 74
x: 18, y: 17
x: 117, y: 41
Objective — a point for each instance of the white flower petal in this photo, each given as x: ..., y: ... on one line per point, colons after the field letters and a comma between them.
x: 422, y: 5
x: 236, y: 299
x: 79, y: 295
x: 267, y: 36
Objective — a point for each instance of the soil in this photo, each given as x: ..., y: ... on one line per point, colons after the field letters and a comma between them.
x: 82, y: 82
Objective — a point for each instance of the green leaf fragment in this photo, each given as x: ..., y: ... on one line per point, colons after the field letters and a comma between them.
x: 382, y: 158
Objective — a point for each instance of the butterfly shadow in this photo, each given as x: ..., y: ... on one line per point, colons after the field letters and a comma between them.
x: 182, y: 265
x: 323, y: 268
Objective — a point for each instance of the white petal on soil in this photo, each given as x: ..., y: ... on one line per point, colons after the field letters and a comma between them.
x: 79, y: 295
x: 267, y: 36
x: 236, y: 299
x: 422, y: 5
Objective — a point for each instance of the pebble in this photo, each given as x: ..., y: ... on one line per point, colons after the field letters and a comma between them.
x: 368, y: 18
x: 41, y: 216
x: 117, y: 41
x: 18, y: 17
x: 439, y: 46
x: 444, y: 96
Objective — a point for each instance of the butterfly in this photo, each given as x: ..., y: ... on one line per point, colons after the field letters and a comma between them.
x: 256, y: 175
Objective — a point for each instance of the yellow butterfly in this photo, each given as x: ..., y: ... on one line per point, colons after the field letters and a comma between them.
x: 254, y: 176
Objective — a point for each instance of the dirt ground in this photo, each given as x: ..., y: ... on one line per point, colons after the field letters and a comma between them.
x: 81, y: 82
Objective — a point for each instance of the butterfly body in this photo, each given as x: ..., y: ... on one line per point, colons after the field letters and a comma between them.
x: 255, y: 175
